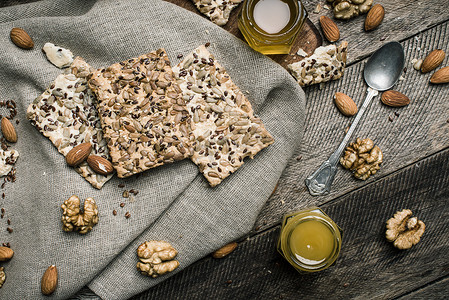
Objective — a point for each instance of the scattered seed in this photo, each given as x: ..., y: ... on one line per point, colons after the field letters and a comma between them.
x: 127, y: 215
x: 180, y: 56
x: 125, y: 194
x: 122, y: 204
x: 229, y: 281
x: 346, y: 284
x: 298, y: 158
x: 114, y: 212
x: 396, y: 113
x: 121, y: 185
x: 9, y: 229
x: 8, y: 221
x: 390, y: 118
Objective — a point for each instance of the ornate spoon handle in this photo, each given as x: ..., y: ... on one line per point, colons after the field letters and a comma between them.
x: 319, y: 183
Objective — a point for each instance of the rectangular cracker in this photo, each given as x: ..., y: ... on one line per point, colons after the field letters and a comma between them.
x: 217, y: 11
x: 66, y: 113
x: 223, y: 123
x: 325, y: 64
x: 142, y: 113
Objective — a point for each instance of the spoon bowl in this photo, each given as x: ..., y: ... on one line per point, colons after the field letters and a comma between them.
x: 384, y: 67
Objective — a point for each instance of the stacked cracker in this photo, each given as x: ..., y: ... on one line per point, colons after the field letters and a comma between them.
x: 66, y: 114
x: 142, y: 113
x: 151, y: 115
x: 223, y: 123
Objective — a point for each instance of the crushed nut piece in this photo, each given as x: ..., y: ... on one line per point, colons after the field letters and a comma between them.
x: 58, y: 56
x: 2, y: 276
x: 363, y: 158
x: 403, y: 230
x: 156, y: 258
x: 348, y: 9
x: 73, y: 219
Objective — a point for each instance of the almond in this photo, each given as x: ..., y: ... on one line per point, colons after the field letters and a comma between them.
x: 21, y: 39
x: 49, y: 280
x: 394, y: 99
x: 374, y: 17
x: 100, y: 165
x: 8, y: 130
x: 78, y: 154
x: 6, y: 253
x: 345, y: 104
x: 225, y: 250
x: 433, y: 60
x: 330, y: 29
x: 440, y: 76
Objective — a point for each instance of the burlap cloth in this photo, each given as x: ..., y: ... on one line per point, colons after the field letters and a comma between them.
x: 174, y: 202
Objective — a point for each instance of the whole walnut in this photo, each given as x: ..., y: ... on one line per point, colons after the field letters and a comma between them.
x: 156, y: 258
x: 363, y: 158
x: 404, y: 230
x: 348, y: 9
x: 73, y: 219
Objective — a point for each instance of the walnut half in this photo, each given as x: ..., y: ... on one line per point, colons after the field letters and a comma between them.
x: 348, y: 9
x: 156, y: 258
x: 403, y: 230
x: 363, y: 158
x: 73, y: 219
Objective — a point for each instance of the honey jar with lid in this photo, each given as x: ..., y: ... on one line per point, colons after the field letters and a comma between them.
x: 309, y: 240
x: 271, y: 26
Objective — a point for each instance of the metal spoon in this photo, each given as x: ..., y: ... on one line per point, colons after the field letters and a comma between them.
x: 381, y: 72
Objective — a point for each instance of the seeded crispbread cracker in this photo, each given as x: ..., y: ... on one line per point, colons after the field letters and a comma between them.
x: 325, y: 64
x: 142, y: 113
x: 217, y: 10
x: 223, y: 124
x: 66, y: 113
x: 7, y: 159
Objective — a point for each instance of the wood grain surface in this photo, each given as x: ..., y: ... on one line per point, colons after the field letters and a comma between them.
x: 369, y: 267
x: 308, y: 38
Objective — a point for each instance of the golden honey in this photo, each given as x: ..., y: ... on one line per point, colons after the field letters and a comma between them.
x: 310, y: 241
x: 271, y: 26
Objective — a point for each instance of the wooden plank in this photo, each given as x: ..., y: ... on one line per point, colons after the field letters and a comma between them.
x: 308, y: 39
x: 369, y: 267
x: 435, y: 290
x: 420, y: 129
x: 403, y: 18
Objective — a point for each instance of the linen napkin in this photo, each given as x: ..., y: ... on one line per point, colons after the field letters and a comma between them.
x: 174, y: 202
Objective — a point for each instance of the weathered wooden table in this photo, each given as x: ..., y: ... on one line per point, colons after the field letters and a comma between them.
x: 414, y: 175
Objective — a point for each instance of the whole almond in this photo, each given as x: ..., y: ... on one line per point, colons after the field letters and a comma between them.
x: 8, y: 130
x: 78, y: 154
x: 440, y: 76
x: 21, y: 39
x: 6, y: 253
x: 433, y: 60
x: 225, y: 250
x: 100, y: 165
x: 374, y: 17
x: 49, y: 280
x: 345, y: 104
x: 394, y: 99
x: 330, y: 29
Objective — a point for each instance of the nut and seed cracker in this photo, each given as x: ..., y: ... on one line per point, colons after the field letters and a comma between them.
x: 7, y: 160
x: 223, y: 123
x: 142, y: 113
x: 327, y: 63
x: 217, y: 10
x: 66, y: 113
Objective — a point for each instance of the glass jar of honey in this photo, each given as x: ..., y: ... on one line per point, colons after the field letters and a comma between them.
x: 310, y: 241
x: 271, y: 26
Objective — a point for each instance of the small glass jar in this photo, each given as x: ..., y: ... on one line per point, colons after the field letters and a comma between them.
x: 309, y: 240
x: 271, y: 43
